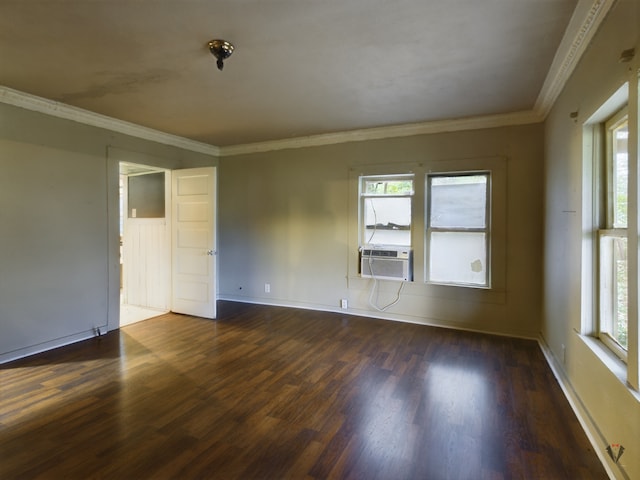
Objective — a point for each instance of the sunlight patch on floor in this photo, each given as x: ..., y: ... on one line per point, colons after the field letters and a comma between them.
x: 132, y: 313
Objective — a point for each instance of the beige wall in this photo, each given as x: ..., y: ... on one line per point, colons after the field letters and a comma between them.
x: 289, y: 218
x: 611, y: 409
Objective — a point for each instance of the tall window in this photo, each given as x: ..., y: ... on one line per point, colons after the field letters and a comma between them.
x: 458, y: 228
x: 385, y: 209
x: 613, y: 270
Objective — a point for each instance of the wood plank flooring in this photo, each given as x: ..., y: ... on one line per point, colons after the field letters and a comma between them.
x: 277, y: 393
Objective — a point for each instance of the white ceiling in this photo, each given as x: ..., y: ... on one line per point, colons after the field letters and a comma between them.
x: 300, y: 67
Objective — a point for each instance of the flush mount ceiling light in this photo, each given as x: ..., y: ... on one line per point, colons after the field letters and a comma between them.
x: 221, y: 49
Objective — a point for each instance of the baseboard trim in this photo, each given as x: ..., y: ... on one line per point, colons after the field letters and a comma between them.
x: 376, y: 315
x: 590, y: 428
x: 45, y: 346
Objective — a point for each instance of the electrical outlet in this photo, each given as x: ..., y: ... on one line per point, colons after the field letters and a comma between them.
x: 267, y: 288
x: 344, y: 303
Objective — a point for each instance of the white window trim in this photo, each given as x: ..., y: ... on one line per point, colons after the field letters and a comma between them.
x: 593, y: 217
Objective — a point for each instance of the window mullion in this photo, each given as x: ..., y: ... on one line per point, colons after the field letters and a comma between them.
x: 458, y: 229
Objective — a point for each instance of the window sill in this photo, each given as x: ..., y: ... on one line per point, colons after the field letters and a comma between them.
x: 616, y: 366
x: 446, y: 292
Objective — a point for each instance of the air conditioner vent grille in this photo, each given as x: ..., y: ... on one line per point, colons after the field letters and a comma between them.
x: 380, y: 253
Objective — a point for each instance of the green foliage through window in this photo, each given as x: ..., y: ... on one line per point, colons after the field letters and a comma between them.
x: 388, y: 187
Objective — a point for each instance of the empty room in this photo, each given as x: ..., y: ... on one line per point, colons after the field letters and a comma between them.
x: 337, y: 239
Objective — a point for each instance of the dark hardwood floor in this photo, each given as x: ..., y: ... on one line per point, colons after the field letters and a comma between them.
x: 275, y: 393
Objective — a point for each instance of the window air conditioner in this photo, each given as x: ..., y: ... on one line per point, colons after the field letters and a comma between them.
x: 387, y: 263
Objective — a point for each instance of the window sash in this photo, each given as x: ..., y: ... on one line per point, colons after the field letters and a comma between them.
x: 458, y: 258
x: 386, y: 179
x: 466, y: 272
x: 381, y: 212
x: 615, y: 218
x: 613, y: 320
x: 613, y: 289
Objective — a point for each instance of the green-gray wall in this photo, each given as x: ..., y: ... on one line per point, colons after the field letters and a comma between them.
x: 289, y: 218
x: 59, y: 240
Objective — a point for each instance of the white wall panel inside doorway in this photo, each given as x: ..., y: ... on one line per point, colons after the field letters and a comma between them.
x: 146, y: 276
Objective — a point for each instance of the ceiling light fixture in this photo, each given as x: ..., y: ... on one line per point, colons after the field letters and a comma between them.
x: 221, y: 49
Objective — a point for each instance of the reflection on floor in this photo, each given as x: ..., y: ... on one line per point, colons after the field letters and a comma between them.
x: 132, y: 314
x: 274, y: 392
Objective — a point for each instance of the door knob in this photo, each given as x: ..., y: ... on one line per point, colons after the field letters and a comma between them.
x: 211, y: 252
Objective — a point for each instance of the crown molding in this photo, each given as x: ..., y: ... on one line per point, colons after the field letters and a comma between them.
x: 86, y: 117
x: 60, y: 110
x: 379, y: 133
x: 584, y: 24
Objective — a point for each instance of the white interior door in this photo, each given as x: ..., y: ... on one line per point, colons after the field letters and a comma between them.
x: 194, y: 242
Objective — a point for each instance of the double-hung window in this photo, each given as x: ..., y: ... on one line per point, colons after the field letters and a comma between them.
x: 385, y: 209
x: 613, y: 271
x: 458, y: 228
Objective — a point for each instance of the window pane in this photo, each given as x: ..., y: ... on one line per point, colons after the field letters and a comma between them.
x: 387, y: 221
x: 613, y: 287
x: 620, y: 261
x: 458, y: 201
x: 458, y: 257
x: 620, y: 172
x: 388, y: 187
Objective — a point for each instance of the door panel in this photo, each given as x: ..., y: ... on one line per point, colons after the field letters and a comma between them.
x: 194, y: 241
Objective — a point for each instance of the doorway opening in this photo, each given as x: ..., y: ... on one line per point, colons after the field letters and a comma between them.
x: 145, y: 242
